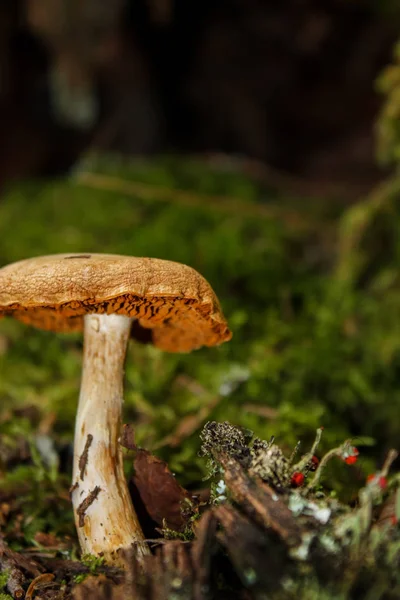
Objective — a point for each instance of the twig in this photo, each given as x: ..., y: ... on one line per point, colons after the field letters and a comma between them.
x: 264, y: 411
x: 83, y: 459
x: 293, y: 219
x: 15, y: 566
x: 84, y: 505
x: 202, y: 554
x: 188, y: 425
x: 260, y: 502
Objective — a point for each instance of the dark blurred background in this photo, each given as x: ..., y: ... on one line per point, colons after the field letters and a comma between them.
x: 289, y: 84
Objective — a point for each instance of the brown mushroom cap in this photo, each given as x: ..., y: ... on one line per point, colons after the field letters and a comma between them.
x: 170, y: 299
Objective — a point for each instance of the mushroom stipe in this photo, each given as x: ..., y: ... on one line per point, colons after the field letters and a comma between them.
x: 104, y: 295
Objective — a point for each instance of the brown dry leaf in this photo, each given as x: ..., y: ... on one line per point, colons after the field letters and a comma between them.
x: 127, y: 439
x: 39, y: 582
x: 159, y: 491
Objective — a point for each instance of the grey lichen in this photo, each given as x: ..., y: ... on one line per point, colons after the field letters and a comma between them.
x: 341, y: 551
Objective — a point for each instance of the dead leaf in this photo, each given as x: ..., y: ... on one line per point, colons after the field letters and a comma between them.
x: 127, y: 439
x: 39, y: 582
x: 159, y: 491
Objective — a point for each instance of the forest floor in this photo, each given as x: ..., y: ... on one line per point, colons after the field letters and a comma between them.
x: 310, y: 290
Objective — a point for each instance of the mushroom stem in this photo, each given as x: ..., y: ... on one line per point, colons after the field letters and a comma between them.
x: 104, y: 515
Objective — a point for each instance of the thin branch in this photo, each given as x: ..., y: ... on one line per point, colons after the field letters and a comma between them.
x: 226, y: 204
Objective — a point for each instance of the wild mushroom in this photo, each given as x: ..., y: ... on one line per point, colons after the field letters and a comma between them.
x: 104, y: 295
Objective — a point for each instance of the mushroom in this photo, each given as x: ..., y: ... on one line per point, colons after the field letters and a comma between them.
x: 103, y: 295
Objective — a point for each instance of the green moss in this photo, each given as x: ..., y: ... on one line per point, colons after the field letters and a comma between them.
x: 92, y: 562
x: 37, y: 492
x: 80, y: 577
x: 3, y: 583
x: 313, y: 347
x: 3, y: 579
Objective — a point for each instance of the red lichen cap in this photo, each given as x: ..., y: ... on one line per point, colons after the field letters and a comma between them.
x: 375, y: 478
x: 170, y: 300
x: 350, y: 455
x: 297, y: 479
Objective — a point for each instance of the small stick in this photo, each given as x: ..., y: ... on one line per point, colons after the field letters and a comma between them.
x: 73, y: 488
x: 83, y: 460
x: 84, y: 505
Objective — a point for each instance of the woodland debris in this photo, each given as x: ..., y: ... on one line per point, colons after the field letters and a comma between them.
x: 159, y: 491
x: 255, y: 538
x: 84, y: 505
x: 83, y: 459
x: 39, y: 582
x: 18, y: 568
x: 260, y: 502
